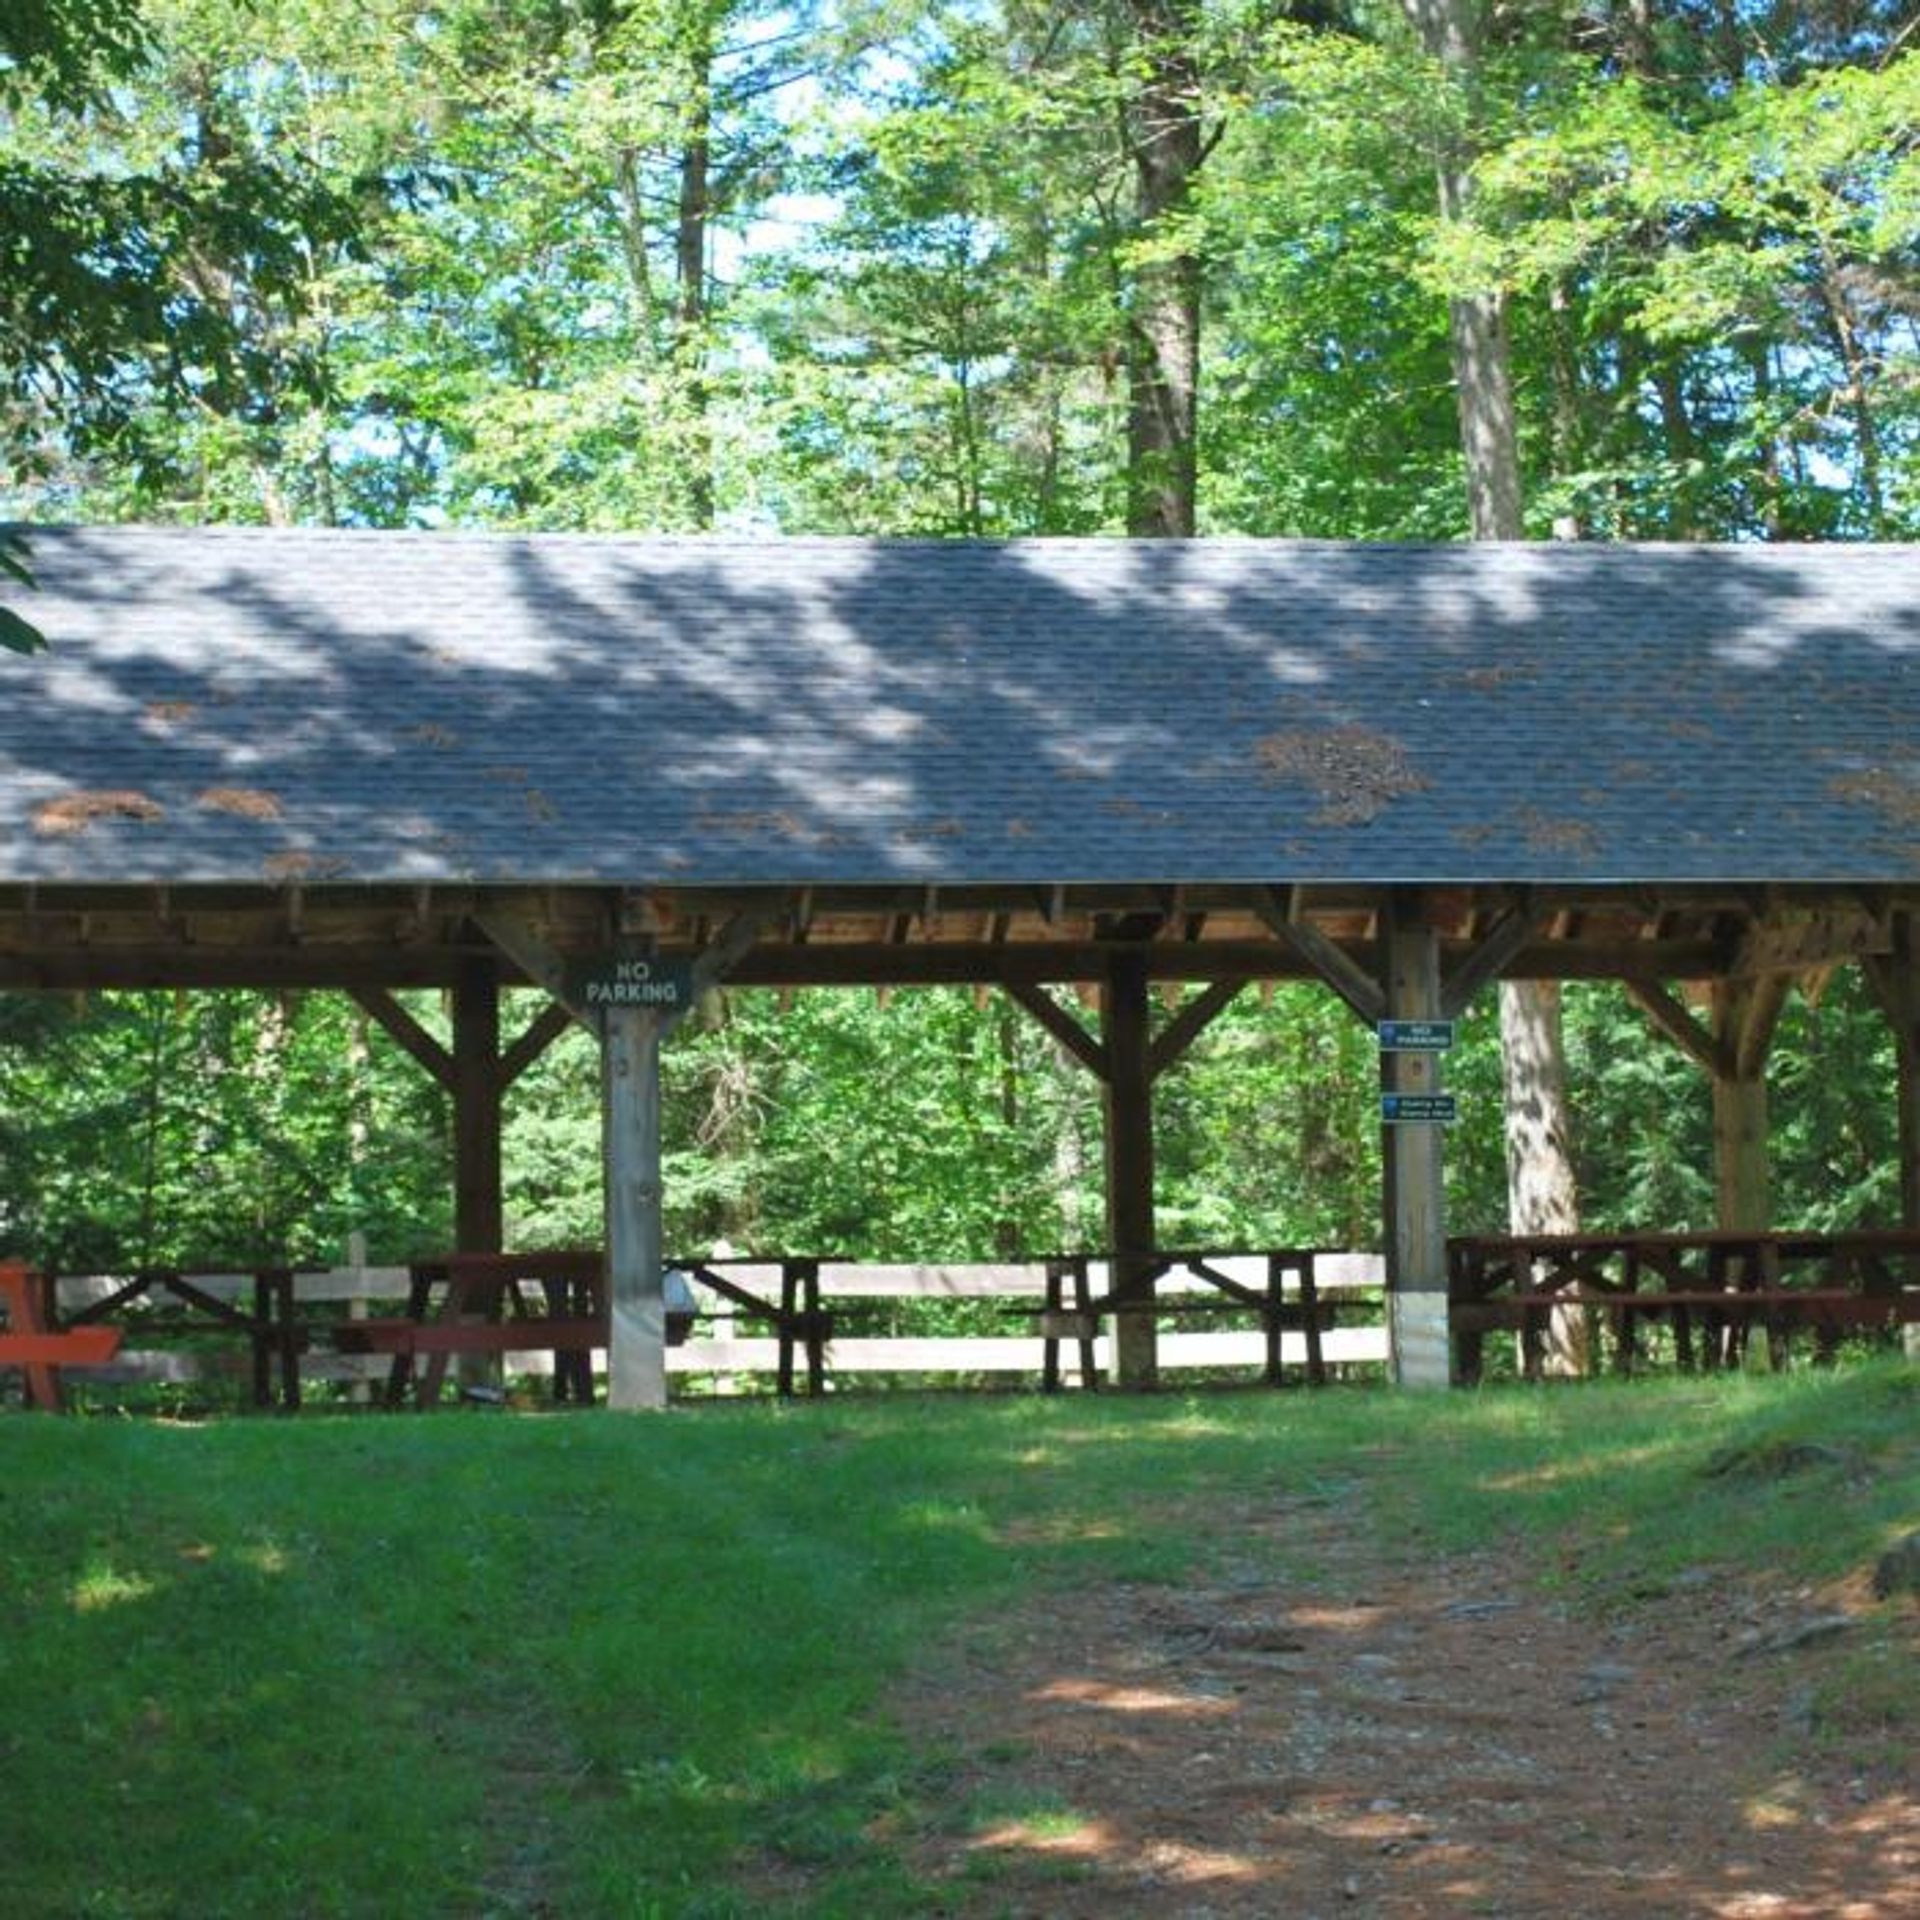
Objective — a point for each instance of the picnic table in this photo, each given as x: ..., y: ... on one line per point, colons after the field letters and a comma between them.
x: 34, y: 1343
x: 1717, y: 1285
x: 1279, y: 1307
x: 271, y: 1328
x: 802, y: 1326
x: 550, y: 1301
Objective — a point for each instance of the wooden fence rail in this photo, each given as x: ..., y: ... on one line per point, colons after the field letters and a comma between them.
x: 731, y: 1347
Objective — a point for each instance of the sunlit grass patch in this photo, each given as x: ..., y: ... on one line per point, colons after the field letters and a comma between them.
x: 100, y: 1586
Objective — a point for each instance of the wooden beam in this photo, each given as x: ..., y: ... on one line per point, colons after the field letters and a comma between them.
x: 1895, y: 980
x: 1486, y: 961
x: 1679, y: 1025
x: 61, y: 966
x: 1130, y: 929
x: 1760, y: 1004
x: 541, y: 1032
x: 1189, y: 1024
x: 1743, y: 1198
x: 407, y: 1033
x: 415, y: 921
x: 1331, y: 962
x: 1745, y: 1013
x: 734, y: 941
x: 269, y: 969
x: 1071, y: 1035
x: 1067, y: 963
x: 1796, y: 943
x: 542, y: 966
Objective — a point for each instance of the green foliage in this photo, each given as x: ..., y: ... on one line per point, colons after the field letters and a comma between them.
x: 943, y: 346
x: 135, y: 251
x: 17, y: 635
x: 230, y: 1128
x: 878, y: 268
x: 1268, y: 1135
x: 212, y: 1129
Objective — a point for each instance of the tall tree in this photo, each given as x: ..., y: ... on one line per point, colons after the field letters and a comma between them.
x: 1543, y: 1196
x: 99, y: 308
x: 945, y: 344
x: 1167, y: 141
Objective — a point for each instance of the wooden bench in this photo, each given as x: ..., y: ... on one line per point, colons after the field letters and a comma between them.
x: 407, y: 1342
x: 802, y: 1327
x: 807, y: 1303
x: 474, y: 1304
x: 177, y: 1302
x: 402, y: 1336
x: 1308, y: 1311
x: 1724, y: 1280
x: 1724, y: 1317
x: 39, y: 1350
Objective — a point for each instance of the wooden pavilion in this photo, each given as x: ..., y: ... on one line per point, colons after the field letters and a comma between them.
x: 622, y: 770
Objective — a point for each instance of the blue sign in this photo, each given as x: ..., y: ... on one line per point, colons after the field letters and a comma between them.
x: 1416, y: 1036
x: 1398, y: 1109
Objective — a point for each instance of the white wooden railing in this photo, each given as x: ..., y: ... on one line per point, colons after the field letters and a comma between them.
x: 728, y: 1347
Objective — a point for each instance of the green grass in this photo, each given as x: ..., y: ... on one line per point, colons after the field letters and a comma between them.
x: 470, y: 1664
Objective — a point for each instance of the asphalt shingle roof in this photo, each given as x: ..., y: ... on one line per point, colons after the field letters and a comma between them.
x: 244, y: 705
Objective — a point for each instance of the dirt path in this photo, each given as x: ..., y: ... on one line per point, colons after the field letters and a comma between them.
x: 1385, y: 1736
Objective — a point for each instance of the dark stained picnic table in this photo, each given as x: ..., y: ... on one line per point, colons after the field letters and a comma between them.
x: 271, y: 1328
x: 485, y: 1303
x: 1720, y: 1283
x: 1289, y: 1301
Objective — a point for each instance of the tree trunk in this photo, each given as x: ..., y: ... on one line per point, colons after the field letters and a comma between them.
x: 1477, y: 322
x: 1540, y: 1184
x: 1858, y: 399
x: 1542, y: 1195
x: 1896, y: 981
x: 1006, y: 1231
x: 1569, y: 426
x: 1167, y: 141
x: 694, y: 218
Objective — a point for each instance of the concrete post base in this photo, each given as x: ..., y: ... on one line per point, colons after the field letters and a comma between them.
x: 1417, y: 1332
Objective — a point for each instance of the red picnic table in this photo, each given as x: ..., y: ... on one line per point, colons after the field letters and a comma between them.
x: 37, y: 1346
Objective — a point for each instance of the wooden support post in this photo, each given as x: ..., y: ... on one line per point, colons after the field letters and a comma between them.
x: 1907, y: 1067
x: 1742, y: 1184
x: 630, y: 1138
x: 1895, y: 979
x: 630, y: 1040
x: 1745, y: 1013
x: 1416, y: 1228
x: 1127, y: 1059
x: 478, y: 1214
x: 477, y: 1087
x: 1125, y: 1017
